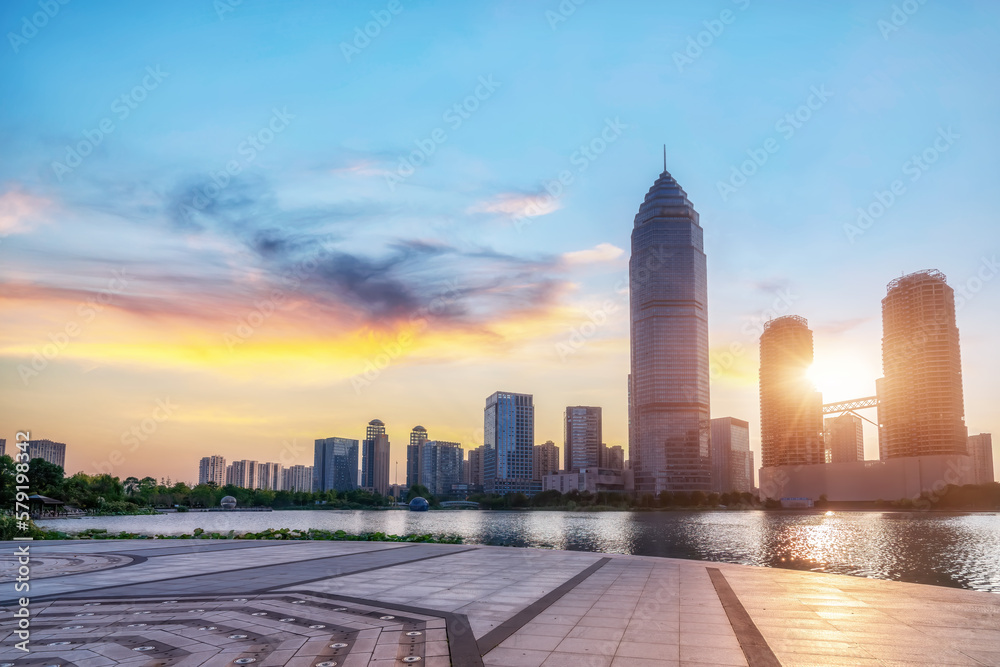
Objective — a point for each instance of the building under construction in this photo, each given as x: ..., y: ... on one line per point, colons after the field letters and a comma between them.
x: 791, y: 410
x: 920, y: 410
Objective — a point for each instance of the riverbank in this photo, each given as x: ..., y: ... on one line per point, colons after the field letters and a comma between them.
x: 386, y: 602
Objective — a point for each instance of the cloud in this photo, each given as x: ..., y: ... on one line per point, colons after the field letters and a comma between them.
x: 21, y: 211
x: 530, y: 205
x: 602, y: 252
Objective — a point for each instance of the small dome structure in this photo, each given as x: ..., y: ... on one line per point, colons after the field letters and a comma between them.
x: 419, y: 505
x: 228, y: 503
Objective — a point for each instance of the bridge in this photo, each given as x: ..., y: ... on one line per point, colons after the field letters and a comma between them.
x: 852, y: 405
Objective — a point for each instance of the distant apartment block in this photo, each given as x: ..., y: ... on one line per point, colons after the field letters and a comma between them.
x: 441, y: 466
x: 791, y: 410
x: 614, y: 457
x: 921, y: 408
x: 545, y: 459
x: 53, y: 452
x: 732, y: 460
x: 297, y: 478
x: 212, y: 469
x: 375, y: 458
x: 3, y: 446
x: 509, y: 426
x: 981, y: 451
x: 583, y: 437
x: 269, y: 476
x: 242, y: 473
x: 418, y: 436
x: 844, y: 437
x: 335, y: 465
x: 474, y: 467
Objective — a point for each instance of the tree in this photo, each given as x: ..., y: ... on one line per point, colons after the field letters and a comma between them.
x: 45, y: 478
x: 419, y: 491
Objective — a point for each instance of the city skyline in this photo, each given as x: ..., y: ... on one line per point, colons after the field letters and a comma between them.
x: 496, y: 282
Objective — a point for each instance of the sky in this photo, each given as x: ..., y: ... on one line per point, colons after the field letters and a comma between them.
x: 235, y: 227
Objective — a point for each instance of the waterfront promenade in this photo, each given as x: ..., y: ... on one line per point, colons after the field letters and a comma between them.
x: 320, y: 604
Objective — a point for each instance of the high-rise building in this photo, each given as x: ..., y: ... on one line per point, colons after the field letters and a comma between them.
x: 212, y: 469
x: 844, y: 438
x: 3, y: 446
x: 791, y: 410
x: 297, y: 478
x: 732, y: 460
x: 921, y: 409
x: 669, y: 432
x: 375, y: 428
x: 614, y: 457
x: 545, y: 459
x: 242, y: 473
x: 53, y: 452
x: 582, y: 437
x: 418, y: 436
x: 441, y: 466
x: 335, y: 464
x: 474, y: 467
x: 981, y: 451
x: 509, y: 425
x: 268, y: 476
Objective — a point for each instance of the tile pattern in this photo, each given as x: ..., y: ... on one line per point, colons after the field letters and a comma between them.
x: 57, y: 565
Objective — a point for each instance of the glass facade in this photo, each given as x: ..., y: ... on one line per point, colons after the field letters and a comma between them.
x: 509, y: 434
x: 583, y: 437
x: 441, y: 466
x: 335, y: 464
x: 418, y: 436
x: 669, y: 433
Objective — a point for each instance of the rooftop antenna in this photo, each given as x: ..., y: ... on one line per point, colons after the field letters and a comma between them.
x: 664, y: 157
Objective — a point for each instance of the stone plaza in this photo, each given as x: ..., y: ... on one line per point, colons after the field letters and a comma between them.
x: 320, y: 604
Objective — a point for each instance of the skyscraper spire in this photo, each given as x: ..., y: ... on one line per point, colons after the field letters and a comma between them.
x: 664, y: 158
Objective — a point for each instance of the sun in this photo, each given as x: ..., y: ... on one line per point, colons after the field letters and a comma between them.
x: 842, y: 378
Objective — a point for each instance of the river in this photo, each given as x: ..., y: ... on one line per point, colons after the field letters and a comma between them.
x: 958, y: 550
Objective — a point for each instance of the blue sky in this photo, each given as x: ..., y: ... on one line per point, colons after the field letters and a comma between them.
x: 521, y: 285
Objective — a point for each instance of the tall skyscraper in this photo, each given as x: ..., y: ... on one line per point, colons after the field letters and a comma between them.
x: 509, y: 425
x: 335, y: 464
x: 583, y: 436
x: 791, y: 410
x: 474, y: 474
x: 441, y: 466
x: 545, y: 460
x: 297, y: 478
x: 375, y: 428
x: 732, y: 460
x: 418, y: 436
x: 669, y: 432
x: 212, y: 469
x: 844, y: 437
x: 53, y: 452
x: 981, y: 451
x: 921, y: 410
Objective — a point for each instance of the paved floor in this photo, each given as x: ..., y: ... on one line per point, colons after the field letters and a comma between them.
x: 320, y: 604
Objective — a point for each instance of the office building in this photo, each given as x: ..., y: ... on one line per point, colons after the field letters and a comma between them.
x: 297, y: 478
x: 614, y: 457
x: 375, y: 429
x: 844, y: 438
x: 791, y: 410
x: 669, y: 430
x: 732, y: 460
x: 981, y: 451
x: 509, y: 426
x: 335, y: 465
x: 53, y: 452
x: 418, y: 436
x: 545, y: 460
x: 582, y: 437
x: 212, y: 469
x: 441, y: 466
x: 474, y: 467
x: 921, y: 408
